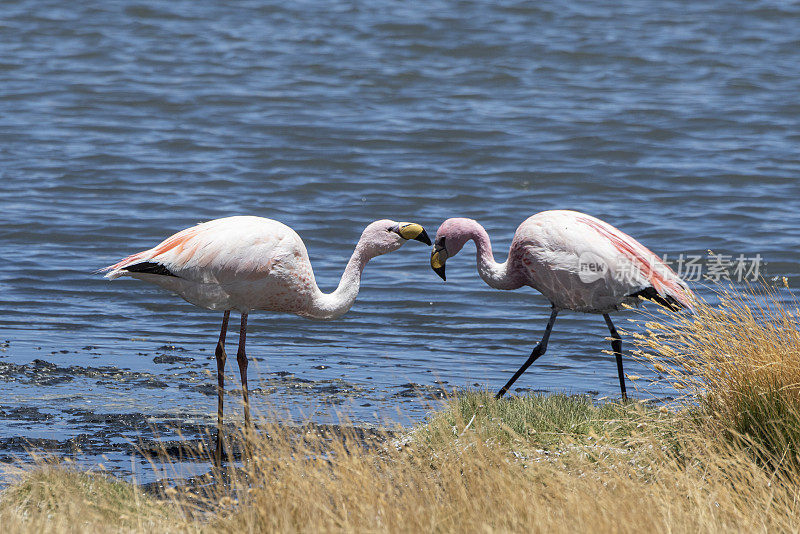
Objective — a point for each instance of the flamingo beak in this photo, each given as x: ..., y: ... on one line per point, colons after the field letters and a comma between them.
x: 413, y: 231
x: 438, y: 259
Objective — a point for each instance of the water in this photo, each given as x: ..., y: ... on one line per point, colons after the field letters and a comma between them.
x: 122, y: 122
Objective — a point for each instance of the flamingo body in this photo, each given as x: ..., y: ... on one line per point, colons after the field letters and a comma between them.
x: 584, y: 264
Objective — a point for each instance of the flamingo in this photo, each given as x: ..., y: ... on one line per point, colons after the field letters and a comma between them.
x: 577, y: 261
x: 252, y: 263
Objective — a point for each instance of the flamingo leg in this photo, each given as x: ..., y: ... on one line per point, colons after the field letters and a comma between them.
x: 538, y: 350
x: 616, y: 348
x: 241, y: 358
x: 221, y: 358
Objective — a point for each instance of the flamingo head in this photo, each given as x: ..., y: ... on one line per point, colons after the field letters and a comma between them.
x: 386, y: 235
x: 450, y: 239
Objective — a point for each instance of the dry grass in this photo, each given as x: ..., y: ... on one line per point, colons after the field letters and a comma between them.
x: 740, y: 360
x: 614, y: 475
x: 522, y: 464
x: 571, y: 467
x: 56, y: 499
x: 610, y: 469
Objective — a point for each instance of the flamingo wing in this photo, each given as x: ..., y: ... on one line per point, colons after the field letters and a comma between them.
x: 659, y: 282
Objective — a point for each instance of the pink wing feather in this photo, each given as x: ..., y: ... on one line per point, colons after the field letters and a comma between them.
x: 660, y: 275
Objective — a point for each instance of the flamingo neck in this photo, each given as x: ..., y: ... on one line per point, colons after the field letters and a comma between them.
x: 496, y: 275
x: 334, y: 305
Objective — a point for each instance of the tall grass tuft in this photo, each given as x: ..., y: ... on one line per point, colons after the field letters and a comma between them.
x: 741, y: 360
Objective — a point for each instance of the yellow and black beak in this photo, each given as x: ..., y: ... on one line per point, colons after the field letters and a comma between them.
x: 438, y: 258
x: 413, y: 231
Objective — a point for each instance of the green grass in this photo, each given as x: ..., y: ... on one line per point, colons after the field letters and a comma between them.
x: 547, y: 421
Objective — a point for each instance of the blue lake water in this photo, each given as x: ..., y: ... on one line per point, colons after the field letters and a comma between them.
x: 123, y: 122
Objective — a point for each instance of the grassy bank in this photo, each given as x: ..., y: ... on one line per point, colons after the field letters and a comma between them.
x: 535, y: 463
x: 727, y: 460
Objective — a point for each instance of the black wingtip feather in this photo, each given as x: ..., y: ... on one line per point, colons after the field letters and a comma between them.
x: 650, y: 293
x: 149, y: 267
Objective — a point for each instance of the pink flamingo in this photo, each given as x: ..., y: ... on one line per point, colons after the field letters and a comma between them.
x: 577, y: 261
x: 252, y: 263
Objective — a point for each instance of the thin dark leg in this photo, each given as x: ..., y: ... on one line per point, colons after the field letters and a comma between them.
x: 538, y: 350
x: 241, y: 357
x: 616, y: 347
x: 221, y: 358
